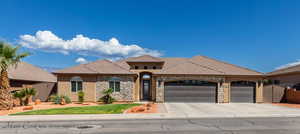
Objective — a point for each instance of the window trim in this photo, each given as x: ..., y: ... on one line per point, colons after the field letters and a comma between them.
x: 115, y: 80
x: 76, y: 79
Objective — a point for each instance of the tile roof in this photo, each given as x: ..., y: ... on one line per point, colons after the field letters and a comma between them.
x: 97, y: 67
x: 28, y: 72
x: 195, y: 65
x: 226, y: 68
x: 189, y: 68
x: 292, y: 69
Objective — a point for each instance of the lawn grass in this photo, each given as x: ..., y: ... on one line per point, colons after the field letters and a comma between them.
x: 102, y: 109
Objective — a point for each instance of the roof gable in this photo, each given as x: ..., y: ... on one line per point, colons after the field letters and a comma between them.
x: 291, y: 69
x: 144, y: 58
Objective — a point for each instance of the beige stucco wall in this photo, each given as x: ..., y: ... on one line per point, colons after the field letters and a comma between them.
x: 88, y: 85
x: 93, y: 86
x: 259, y: 92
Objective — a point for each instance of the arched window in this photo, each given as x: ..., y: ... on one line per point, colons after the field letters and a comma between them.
x: 114, y: 84
x: 146, y: 76
x: 76, y: 84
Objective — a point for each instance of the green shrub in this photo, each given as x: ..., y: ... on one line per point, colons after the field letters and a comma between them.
x: 80, y: 96
x: 19, y: 95
x: 107, y: 98
x: 67, y: 99
x: 24, y: 95
x: 56, y: 99
x: 29, y: 92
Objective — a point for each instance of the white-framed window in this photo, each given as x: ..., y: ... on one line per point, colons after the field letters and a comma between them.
x: 114, y: 84
x: 76, y: 84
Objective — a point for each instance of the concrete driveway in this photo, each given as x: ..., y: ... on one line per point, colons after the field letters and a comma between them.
x: 229, y: 110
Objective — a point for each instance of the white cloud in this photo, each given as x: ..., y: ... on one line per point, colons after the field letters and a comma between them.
x: 289, y: 65
x: 112, y: 49
x: 81, y: 60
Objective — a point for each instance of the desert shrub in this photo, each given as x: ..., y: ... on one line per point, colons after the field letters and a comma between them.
x: 20, y: 96
x: 56, y: 99
x: 24, y: 95
x: 107, y: 98
x: 67, y: 99
x: 80, y: 96
x: 29, y: 92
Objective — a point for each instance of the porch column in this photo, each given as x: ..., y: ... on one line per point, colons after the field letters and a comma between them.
x: 136, y: 91
x: 160, y: 89
x: 226, y: 88
x: 220, y: 93
x: 259, y: 92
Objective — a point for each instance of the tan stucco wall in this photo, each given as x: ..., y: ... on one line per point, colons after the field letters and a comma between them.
x: 259, y: 92
x: 149, y: 65
x: 226, y: 88
x: 88, y: 85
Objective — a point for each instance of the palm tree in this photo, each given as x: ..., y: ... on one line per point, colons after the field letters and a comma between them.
x: 19, y: 95
x: 9, y: 56
x: 29, y: 92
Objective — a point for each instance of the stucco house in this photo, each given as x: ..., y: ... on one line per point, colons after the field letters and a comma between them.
x: 147, y: 78
x: 279, y: 80
x: 25, y: 75
x: 289, y: 76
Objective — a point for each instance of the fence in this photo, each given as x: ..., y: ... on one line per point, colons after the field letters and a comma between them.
x: 292, y: 96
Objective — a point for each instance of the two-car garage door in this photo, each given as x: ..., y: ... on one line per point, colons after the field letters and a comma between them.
x: 190, y: 91
x: 206, y: 92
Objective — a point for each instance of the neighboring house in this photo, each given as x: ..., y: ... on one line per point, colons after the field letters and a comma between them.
x: 147, y: 78
x: 25, y: 75
x: 279, y: 80
x: 288, y: 77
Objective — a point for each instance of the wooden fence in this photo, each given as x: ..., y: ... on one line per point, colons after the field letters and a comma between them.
x: 293, y: 96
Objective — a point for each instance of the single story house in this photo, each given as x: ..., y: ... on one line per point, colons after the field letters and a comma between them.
x: 287, y: 77
x: 147, y: 78
x: 25, y: 75
x: 279, y: 80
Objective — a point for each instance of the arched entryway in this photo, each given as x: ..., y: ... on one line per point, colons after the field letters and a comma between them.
x: 191, y: 91
x: 243, y: 92
x: 146, y: 88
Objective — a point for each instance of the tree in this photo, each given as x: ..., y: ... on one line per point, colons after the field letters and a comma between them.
x: 9, y: 56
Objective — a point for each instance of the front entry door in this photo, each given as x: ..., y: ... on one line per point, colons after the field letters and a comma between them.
x: 146, y: 89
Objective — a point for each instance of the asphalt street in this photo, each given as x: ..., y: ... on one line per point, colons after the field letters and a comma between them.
x: 274, y: 125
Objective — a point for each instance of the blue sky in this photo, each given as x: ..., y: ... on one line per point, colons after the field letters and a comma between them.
x: 258, y: 34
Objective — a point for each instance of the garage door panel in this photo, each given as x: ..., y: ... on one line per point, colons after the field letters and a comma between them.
x: 191, y: 99
x: 242, y: 94
x: 179, y: 93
